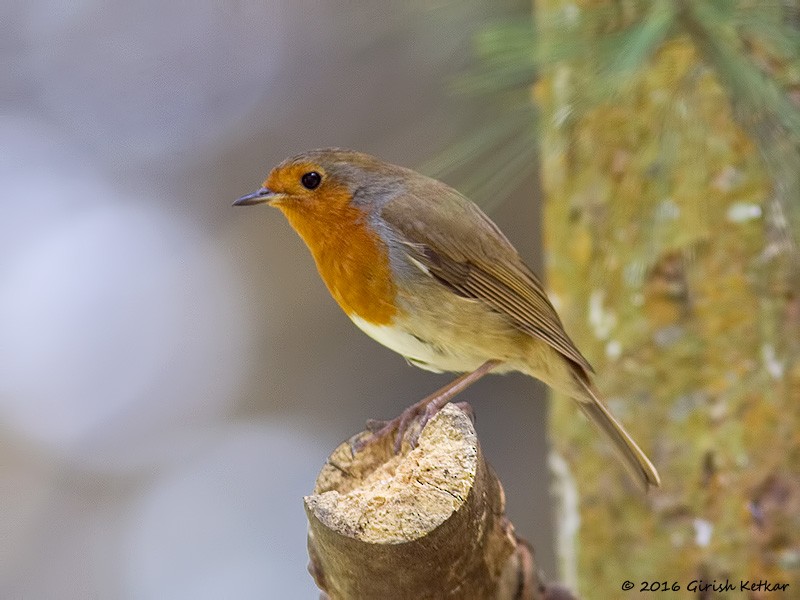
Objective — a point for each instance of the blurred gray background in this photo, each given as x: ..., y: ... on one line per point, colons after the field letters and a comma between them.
x: 173, y: 372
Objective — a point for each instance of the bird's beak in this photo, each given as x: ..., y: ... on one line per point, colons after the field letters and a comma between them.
x: 258, y: 197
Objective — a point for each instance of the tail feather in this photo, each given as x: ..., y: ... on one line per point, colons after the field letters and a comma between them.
x: 633, y: 458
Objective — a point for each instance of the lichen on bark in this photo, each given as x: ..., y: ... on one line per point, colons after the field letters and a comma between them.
x: 663, y: 261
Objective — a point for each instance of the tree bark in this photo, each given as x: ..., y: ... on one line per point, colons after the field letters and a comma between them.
x: 669, y: 270
x: 426, y: 523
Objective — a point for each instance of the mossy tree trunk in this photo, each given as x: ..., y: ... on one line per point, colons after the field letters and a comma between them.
x: 669, y: 260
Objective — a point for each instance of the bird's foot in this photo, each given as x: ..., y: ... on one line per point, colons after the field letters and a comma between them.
x: 430, y: 411
x: 378, y: 430
x: 423, y: 411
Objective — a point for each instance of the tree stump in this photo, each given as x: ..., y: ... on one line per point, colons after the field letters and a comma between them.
x: 428, y: 522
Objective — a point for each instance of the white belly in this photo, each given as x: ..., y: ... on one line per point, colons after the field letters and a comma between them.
x: 415, y: 350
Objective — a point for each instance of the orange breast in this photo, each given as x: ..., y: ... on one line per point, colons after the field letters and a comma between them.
x: 351, y: 259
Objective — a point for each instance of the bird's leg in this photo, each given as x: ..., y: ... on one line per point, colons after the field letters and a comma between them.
x: 425, y: 409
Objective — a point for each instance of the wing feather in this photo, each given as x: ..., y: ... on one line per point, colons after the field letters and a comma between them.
x: 462, y: 248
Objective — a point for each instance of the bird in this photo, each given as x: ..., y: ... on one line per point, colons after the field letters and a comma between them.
x: 421, y: 269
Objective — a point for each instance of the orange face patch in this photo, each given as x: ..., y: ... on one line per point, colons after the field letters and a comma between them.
x: 351, y: 258
x: 287, y: 179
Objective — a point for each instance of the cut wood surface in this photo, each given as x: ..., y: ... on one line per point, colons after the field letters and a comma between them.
x: 428, y: 522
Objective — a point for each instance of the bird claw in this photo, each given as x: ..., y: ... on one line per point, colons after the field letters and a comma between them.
x: 423, y: 411
x: 399, y: 426
x: 377, y: 431
x: 431, y: 411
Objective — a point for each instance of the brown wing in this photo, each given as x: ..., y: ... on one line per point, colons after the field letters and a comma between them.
x: 462, y: 248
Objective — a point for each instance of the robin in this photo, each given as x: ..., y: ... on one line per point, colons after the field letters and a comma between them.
x: 422, y: 270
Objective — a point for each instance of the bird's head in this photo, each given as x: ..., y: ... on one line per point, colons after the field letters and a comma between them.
x: 321, y: 183
x: 333, y: 199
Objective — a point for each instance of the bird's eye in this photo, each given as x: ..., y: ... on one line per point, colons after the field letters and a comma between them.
x: 311, y: 180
